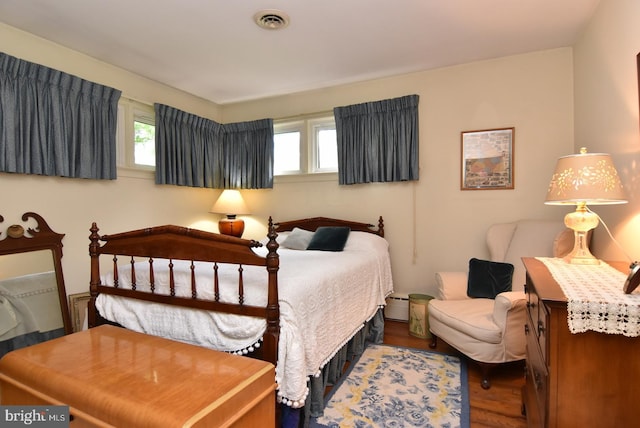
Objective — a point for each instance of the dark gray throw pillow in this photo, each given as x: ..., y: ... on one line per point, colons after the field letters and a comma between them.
x: 487, y: 279
x: 329, y: 238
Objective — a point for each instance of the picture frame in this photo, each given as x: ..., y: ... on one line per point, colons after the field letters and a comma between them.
x: 78, y: 306
x: 487, y: 159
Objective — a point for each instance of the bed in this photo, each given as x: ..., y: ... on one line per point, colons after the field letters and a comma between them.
x: 305, y: 311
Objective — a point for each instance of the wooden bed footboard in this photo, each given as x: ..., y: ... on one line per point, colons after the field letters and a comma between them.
x: 181, y: 243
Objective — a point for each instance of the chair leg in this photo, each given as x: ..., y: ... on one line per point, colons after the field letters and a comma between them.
x: 434, y: 341
x: 485, y: 368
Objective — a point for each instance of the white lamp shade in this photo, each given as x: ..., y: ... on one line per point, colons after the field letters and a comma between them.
x: 589, y: 178
x: 230, y: 202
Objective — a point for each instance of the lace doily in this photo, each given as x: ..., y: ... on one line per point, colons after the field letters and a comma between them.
x: 595, y: 299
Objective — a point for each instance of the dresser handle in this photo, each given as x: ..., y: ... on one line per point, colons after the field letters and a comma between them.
x: 526, y: 329
x: 540, y: 328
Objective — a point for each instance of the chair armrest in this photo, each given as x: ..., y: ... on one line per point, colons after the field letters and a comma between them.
x: 505, y: 303
x: 451, y: 285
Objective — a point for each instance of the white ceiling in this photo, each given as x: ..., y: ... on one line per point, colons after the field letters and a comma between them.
x: 213, y: 48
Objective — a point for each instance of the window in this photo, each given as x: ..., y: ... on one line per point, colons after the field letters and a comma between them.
x: 136, y: 135
x: 306, y: 146
x: 144, y: 139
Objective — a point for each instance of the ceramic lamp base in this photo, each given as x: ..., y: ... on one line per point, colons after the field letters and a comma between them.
x: 231, y: 227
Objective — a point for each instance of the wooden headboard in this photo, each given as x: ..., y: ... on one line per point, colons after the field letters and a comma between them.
x: 313, y: 223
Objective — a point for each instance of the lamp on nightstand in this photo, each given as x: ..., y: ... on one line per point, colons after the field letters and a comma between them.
x: 231, y: 204
x: 581, y: 179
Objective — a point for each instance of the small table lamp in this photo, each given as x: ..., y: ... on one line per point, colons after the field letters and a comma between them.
x: 581, y: 179
x: 231, y: 204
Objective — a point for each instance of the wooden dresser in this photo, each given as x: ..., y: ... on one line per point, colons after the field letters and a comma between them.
x: 575, y: 380
x: 110, y: 376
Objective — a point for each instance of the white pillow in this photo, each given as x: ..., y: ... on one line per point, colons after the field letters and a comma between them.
x: 298, y: 239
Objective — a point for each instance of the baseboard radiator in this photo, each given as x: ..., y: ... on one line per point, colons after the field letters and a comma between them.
x: 397, y: 307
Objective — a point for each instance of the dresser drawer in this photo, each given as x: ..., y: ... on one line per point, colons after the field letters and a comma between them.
x: 537, y: 378
x: 539, y: 318
x: 543, y: 331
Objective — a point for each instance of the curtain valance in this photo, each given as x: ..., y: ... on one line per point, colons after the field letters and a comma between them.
x: 199, y: 152
x: 54, y: 123
x: 378, y: 141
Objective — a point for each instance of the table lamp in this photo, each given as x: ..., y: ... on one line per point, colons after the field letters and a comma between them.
x: 231, y: 204
x: 584, y: 179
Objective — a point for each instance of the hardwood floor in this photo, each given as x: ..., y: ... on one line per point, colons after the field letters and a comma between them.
x: 499, y: 406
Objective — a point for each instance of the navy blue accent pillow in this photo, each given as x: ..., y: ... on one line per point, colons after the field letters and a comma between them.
x: 487, y: 279
x: 329, y: 238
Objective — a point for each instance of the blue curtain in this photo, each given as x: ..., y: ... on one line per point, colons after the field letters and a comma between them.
x: 198, y: 152
x: 378, y: 141
x: 53, y: 123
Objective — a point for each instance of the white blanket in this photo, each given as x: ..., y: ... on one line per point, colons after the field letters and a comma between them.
x: 325, y: 298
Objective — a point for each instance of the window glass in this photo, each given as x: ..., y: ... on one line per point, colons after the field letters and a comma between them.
x: 136, y: 136
x: 286, y: 147
x: 305, y: 146
x: 327, y: 150
x: 144, y: 143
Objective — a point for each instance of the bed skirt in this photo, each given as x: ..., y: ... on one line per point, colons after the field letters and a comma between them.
x: 28, y: 340
x: 373, y: 332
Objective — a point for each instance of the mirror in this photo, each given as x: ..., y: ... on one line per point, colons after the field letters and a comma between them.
x: 33, y: 299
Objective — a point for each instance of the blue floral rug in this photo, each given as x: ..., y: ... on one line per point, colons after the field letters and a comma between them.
x: 391, y: 386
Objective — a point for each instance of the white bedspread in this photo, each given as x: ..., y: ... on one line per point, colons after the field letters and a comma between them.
x: 325, y: 298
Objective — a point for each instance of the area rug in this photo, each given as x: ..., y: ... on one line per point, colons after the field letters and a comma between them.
x: 391, y: 386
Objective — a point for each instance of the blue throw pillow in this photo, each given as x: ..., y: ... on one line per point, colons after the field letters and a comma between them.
x: 487, y: 279
x: 329, y: 238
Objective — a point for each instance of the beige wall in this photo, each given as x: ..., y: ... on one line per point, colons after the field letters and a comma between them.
x: 606, y: 114
x: 431, y: 225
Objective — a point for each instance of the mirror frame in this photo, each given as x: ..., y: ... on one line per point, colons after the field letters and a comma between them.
x: 39, y: 238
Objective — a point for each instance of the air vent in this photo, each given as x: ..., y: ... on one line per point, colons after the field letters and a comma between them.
x: 271, y: 19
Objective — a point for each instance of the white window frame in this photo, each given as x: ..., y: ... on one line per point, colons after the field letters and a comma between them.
x: 283, y: 127
x: 308, y: 127
x: 314, y: 126
x: 130, y: 111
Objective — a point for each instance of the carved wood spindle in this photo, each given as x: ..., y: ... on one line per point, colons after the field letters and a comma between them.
x: 152, y: 278
x: 194, y: 291
x: 115, y: 271
x: 272, y: 334
x: 133, y: 274
x: 172, y: 283
x: 216, y: 283
x: 94, y: 246
x: 381, y: 227
x: 240, y: 286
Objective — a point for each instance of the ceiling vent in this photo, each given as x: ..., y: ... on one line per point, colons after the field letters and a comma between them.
x: 271, y: 19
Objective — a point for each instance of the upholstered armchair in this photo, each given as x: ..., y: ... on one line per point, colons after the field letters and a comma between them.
x: 490, y: 330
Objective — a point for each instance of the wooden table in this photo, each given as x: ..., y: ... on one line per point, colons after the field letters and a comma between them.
x: 110, y: 376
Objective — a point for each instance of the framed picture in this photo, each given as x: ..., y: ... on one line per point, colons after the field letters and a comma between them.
x: 487, y: 159
x: 78, y: 307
